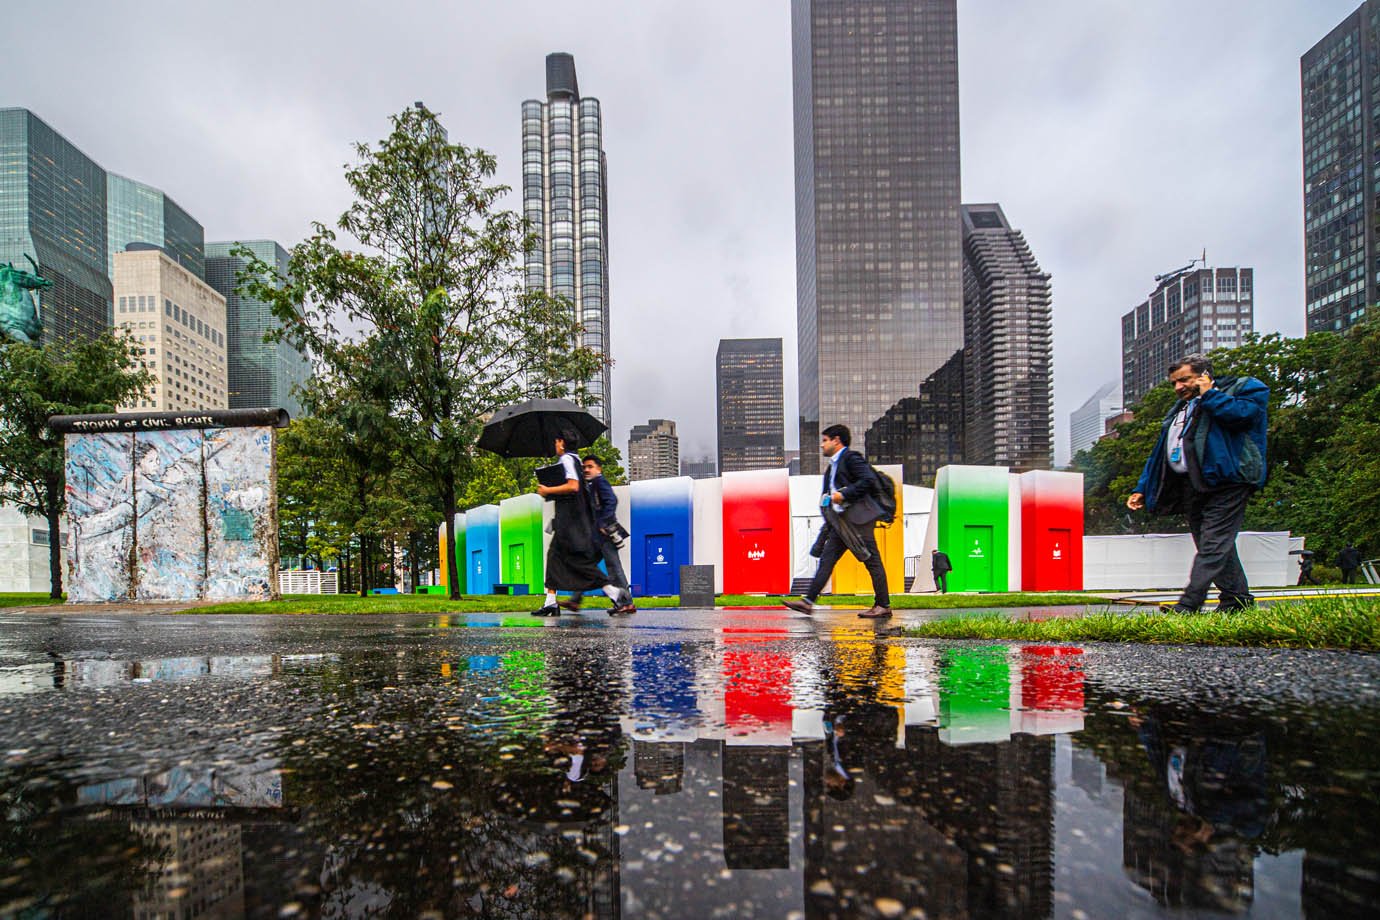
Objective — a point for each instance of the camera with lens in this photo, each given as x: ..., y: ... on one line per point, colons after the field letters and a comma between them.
x: 615, y: 533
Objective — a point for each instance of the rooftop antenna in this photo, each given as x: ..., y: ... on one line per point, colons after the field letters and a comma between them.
x: 1170, y: 276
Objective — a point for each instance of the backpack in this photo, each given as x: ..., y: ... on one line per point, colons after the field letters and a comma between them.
x: 885, y: 496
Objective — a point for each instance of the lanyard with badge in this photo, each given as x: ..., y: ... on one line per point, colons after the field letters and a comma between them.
x: 1176, y: 453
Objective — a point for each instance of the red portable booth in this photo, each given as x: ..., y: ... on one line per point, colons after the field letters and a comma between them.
x: 1051, y: 531
x: 757, y: 532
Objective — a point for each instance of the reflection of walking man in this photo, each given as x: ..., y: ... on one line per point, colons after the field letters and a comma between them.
x: 941, y: 567
x: 1209, y: 458
x: 848, y: 479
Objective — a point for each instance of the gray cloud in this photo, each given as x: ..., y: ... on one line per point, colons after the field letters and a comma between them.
x: 1122, y: 137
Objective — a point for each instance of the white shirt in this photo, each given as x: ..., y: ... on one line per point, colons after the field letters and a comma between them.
x: 833, y: 471
x: 572, y: 467
x: 1178, y: 459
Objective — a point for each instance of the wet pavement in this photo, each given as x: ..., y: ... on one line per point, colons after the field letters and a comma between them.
x: 675, y: 763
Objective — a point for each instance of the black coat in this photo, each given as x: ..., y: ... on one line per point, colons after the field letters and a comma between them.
x: 854, y: 477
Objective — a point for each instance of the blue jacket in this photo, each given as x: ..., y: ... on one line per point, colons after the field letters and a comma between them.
x: 602, y: 501
x: 1225, y: 442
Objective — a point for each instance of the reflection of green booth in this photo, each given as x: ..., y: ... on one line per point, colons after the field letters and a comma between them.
x: 974, y: 509
x: 520, y: 542
x: 974, y: 695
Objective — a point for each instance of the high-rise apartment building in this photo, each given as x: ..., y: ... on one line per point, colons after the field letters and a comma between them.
x: 60, y: 208
x: 139, y: 213
x: 53, y: 210
x: 260, y: 373
x: 1008, y: 346
x: 653, y: 450
x: 179, y: 322
x: 878, y: 238
x: 751, y: 405
x: 1340, y: 79
x: 565, y: 200
x: 1190, y: 311
x: 1088, y: 422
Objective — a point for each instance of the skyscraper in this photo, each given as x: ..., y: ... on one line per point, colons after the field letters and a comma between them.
x: 1088, y: 422
x: 751, y: 405
x: 139, y: 213
x: 1340, y: 79
x: 565, y: 200
x: 878, y: 246
x: 53, y: 209
x: 1190, y: 311
x: 259, y: 373
x: 653, y: 450
x: 1008, y: 351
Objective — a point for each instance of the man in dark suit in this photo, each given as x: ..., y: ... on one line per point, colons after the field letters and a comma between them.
x: 848, y: 479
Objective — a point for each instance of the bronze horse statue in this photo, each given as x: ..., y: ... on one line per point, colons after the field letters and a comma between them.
x: 19, y: 317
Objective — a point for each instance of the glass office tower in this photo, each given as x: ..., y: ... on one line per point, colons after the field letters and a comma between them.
x: 53, y: 210
x: 751, y: 413
x: 1341, y: 171
x: 564, y: 197
x: 139, y: 213
x: 259, y: 373
x: 878, y: 246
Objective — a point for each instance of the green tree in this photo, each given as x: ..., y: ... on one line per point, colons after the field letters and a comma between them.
x: 428, y: 318
x: 60, y: 378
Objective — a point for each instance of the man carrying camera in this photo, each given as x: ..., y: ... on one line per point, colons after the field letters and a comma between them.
x: 608, y: 533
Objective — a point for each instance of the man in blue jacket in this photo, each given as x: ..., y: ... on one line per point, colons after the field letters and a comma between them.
x: 1209, y: 458
x: 604, y: 503
x: 847, y: 479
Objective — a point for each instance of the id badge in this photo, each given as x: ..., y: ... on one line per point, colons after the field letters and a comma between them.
x: 1176, y: 453
x: 825, y: 501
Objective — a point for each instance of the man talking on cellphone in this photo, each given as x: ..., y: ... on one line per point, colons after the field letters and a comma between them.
x: 1209, y: 458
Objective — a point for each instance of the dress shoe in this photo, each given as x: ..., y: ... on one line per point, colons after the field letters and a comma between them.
x: 623, y: 610
x: 550, y: 610
x: 800, y: 606
x: 572, y: 606
x: 1233, y: 605
x: 1176, y: 607
x: 876, y: 613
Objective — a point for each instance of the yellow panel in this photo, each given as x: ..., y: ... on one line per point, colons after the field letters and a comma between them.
x: 851, y: 578
x: 445, y: 569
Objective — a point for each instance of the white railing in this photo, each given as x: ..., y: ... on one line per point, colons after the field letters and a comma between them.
x: 308, y: 581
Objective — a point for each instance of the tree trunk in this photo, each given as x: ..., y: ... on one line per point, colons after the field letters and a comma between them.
x: 54, y: 488
x: 448, y: 502
x: 363, y: 565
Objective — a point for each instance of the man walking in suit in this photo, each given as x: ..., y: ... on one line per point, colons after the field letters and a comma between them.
x: 848, y: 479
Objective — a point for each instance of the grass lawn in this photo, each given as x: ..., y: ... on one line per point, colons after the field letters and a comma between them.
x: 26, y: 599
x: 407, y: 603
x: 1322, y: 622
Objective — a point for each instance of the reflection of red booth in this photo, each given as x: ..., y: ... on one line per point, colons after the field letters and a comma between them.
x: 757, y: 692
x: 1051, y: 531
x: 757, y: 532
x: 1051, y: 678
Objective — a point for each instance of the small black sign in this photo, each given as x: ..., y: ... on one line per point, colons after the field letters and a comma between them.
x: 697, y: 586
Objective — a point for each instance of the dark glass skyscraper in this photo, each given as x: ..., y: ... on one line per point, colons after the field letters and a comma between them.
x: 878, y: 249
x: 139, y: 213
x: 565, y: 199
x: 53, y: 209
x: 258, y: 373
x: 1340, y: 78
x: 1008, y: 351
x: 751, y: 413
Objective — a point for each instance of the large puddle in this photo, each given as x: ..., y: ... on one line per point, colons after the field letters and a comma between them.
x: 745, y: 771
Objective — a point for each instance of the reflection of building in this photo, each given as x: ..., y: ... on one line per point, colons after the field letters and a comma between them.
x: 1188, y: 312
x: 659, y: 766
x: 179, y: 322
x: 922, y: 432
x: 1161, y: 855
x: 653, y: 450
x: 260, y: 373
x: 1340, y: 108
x: 201, y: 874
x: 564, y: 199
x: 1087, y: 421
x: 751, y: 406
x: 1008, y: 351
x: 878, y: 249
x: 756, y: 807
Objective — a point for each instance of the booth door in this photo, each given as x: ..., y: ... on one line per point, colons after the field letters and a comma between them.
x: 977, y: 557
x: 1056, y: 556
x: 659, y: 564
x: 517, y: 556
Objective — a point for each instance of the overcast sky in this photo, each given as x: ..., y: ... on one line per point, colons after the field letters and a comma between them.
x: 1122, y: 137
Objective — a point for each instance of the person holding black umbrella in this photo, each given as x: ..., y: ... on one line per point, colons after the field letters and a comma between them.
x: 572, y: 562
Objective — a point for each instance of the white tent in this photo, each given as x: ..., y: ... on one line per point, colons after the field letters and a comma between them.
x: 1162, y: 560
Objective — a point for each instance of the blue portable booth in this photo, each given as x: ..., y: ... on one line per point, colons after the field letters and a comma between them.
x: 662, y: 533
x: 481, y: 549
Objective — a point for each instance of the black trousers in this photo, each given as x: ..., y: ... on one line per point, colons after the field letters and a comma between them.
x: 941, y: 582
x: 833, y: 552
x: 1215, y: 518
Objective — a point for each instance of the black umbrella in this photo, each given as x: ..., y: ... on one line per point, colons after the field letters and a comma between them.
x: 530, y: 429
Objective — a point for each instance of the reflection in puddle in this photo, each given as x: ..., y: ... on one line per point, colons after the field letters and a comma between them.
x: 744, y: 774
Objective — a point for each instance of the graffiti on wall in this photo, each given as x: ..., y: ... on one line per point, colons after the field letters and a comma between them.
x: 172, y: 515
